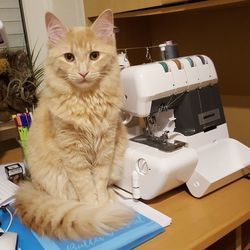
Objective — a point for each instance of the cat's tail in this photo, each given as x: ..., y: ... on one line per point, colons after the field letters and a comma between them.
x: 64, y: 219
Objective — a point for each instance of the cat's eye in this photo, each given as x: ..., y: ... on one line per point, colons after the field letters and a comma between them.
x: 69, y: 57
x: 94, y: 55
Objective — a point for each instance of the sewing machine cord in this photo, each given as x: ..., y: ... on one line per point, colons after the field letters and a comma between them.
x: 11, y: 218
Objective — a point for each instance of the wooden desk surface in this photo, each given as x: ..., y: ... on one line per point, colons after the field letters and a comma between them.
x: 12, y: 155
x: 197, y: 223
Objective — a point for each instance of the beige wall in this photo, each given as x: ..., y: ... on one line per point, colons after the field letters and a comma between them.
x: 69, y: 12
x: 237, y: 112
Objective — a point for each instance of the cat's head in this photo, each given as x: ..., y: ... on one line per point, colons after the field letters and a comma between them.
x: 80, y: 56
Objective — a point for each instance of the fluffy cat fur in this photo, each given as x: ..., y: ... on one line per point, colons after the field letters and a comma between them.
x: 77, y: 141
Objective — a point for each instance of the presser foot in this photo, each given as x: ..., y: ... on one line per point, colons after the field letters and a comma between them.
x: 156, y: 142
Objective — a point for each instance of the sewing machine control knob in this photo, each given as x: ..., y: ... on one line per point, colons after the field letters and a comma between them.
x: 142, y: 166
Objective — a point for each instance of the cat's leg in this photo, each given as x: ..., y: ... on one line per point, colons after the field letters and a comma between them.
x: 60, y: 179
x: 84, y: 184
x: 109, y: 163
x: 101, y: 172
x: 96, y: 177
x: 119, y: 151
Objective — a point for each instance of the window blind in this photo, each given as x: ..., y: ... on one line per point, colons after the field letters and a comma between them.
x: 10, y: 15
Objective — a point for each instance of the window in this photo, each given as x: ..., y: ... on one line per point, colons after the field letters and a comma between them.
x: 11, y: 17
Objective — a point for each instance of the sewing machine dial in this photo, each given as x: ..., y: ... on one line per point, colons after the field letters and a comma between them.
x: 142, y: 166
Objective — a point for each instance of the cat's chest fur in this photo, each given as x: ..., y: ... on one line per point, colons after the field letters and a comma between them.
x: 85, y: 113
x: 85, y: 124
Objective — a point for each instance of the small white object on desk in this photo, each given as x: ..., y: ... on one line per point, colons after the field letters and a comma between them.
x: 8, y: 241
x: 7, y: 188
x: 143, y: 208
x: 7, y: 192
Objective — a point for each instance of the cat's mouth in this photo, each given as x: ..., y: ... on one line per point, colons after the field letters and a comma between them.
x: 82, y: 83
x: 80, y: 80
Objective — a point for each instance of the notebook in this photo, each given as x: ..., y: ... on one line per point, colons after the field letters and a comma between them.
x: 147, y: 223
x: 138, y: 231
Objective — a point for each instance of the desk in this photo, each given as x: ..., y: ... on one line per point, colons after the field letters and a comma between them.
x: 12, y: 155
x: 197, y: 223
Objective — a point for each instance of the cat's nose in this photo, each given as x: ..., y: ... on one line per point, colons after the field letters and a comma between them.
x: 83, y: 74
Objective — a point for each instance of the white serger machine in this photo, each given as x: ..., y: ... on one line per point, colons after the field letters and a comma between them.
x: 184, y: 138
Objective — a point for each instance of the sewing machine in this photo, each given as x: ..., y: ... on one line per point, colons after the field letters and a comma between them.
x: 184, y: 138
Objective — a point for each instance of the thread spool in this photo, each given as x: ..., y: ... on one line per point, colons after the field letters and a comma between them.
x: 163, y: 53
x: 172, y: 49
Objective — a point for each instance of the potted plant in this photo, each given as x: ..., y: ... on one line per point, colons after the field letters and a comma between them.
x: 19, y: 85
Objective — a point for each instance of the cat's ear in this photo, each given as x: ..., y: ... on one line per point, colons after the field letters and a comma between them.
x: 56, y: 30
x: 103, y: 26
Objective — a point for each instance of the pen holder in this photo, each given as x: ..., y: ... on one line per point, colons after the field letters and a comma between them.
x: 23, y: 144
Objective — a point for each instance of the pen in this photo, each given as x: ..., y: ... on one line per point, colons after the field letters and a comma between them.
x: 28, y: 117
x: 18, y: 120
x: 24, y: 120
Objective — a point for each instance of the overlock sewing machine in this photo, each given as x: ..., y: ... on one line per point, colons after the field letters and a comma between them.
x: 185, y: 137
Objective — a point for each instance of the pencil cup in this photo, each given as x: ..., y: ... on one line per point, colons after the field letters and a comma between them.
x: 24, y: 146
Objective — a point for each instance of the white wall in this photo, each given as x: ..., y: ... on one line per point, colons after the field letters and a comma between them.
x: 70, y: 12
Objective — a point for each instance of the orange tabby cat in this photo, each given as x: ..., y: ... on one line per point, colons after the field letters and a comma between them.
x: 77, y: 140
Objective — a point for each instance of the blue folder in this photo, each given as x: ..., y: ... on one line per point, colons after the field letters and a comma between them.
x: 138, y: 231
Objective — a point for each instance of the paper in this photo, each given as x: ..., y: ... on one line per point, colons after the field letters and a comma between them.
x: 7, y: 188
x: 143, y: 209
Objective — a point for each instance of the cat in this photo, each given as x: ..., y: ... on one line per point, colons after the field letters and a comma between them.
x: 77, y: 141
